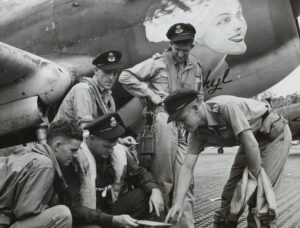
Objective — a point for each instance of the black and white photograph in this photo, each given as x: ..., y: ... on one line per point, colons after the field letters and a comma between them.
x: 149, y: 113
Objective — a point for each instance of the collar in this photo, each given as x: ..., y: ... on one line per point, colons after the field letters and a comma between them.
x: 85, y: 147
x: 188, y: 65
x: 100, y: 87
x: 46, y: 150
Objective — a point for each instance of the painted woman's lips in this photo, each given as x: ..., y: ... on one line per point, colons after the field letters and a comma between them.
x: 237, y: 38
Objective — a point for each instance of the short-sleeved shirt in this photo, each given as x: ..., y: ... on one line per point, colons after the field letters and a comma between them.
x: 227, y: 117
x: 80, y: 103
x: 153, y: 73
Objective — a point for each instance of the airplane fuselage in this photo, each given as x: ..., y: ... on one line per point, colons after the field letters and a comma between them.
x: 70, y: 33
x: 60, y: 28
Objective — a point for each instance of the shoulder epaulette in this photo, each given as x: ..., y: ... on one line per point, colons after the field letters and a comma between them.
x: 214, y: 107
x: 157, y: 56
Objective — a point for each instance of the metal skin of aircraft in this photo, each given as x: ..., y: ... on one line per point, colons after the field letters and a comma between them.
x: 46, y: 46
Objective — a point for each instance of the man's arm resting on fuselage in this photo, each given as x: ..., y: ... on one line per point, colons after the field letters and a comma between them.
x: 251, y: 150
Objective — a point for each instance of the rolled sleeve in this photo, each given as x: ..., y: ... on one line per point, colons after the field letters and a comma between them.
x: 199, y: 81
x: 134, y: 79
x: 236, y: 118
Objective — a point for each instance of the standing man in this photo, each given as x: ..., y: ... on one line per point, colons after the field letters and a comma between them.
x: 132, y: 203
x: 154, y: 79
x: 264, y: 138
x: 27, y: 177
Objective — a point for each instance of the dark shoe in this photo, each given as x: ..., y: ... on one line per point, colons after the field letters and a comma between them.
x: 220, y: 222
x: 224, y: 224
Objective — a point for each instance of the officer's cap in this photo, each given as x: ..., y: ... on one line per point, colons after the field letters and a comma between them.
x: 176, y: 102
x: 108, y: 60
x: 181, y: 31
x: 108, y: 126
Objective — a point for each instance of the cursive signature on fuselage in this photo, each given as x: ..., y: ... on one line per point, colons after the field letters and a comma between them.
x: 215, y: 84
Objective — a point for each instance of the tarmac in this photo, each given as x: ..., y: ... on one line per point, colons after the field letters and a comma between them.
x: 211, y: 173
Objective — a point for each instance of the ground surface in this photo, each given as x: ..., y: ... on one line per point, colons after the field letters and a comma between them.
x: 212, y: 171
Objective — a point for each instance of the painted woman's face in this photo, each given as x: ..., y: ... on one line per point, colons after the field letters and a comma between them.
x: 226, y: 29
x: 220, y: 26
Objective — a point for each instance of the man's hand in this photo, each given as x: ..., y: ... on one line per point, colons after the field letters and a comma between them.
x: 81, y: 162
x: 127, y: 141
x: 156, y: 201
x: 174, y: 213
x: 124, y: 221
x: 155, y: 99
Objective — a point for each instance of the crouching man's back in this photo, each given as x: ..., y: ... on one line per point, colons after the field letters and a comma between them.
x: 26, y: 179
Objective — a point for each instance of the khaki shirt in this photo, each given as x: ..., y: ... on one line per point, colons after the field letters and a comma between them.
x: 153, y: 74
x: 227, y: 117
x: 80, y: 103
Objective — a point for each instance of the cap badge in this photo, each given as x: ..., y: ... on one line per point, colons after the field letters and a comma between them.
x: 111, y: 57
x: 178, y: 29
x: 113, y: 122
x: 214, y: 108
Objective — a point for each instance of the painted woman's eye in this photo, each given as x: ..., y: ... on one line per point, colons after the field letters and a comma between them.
x: 224, y: 20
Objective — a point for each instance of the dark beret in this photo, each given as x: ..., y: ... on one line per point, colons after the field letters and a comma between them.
x: 181, y: 31
x: 108, y: 126
x: 177, y: 101
x: 108, y: 60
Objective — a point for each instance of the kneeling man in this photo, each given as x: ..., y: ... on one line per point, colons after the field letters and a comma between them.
x: 27, y: 177
x: 137, y: 195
